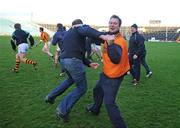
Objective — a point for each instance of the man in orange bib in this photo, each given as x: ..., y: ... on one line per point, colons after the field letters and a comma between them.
x: 115, y: 67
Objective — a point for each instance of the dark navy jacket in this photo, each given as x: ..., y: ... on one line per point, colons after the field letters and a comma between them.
x: 58, y: 37
x: 20, y: 36
x: 74, y: 42
x: 136, y: 44
x: 114, y: 51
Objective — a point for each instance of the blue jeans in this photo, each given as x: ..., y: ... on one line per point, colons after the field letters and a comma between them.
x: 75, y: 70
x: 106, y: 89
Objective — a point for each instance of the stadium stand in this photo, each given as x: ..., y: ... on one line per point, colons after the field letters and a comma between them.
x: 7, y: 27
x: 161, y: 33
x: 155, y: 33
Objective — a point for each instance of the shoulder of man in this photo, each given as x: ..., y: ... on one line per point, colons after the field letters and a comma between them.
x: 14, y: 33
x: 84, y: 26
x: 140, y: 36
x: 26, y: 32
x: 119, y: 39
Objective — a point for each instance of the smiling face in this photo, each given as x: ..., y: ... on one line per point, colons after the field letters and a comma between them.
x: 133, y: 29
x: 114, y: 25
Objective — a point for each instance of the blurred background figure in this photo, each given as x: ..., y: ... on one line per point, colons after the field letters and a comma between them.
x: 45, y: 38
x: 57, y: 41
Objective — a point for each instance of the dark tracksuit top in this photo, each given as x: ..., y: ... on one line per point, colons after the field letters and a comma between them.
x: 20, y: 36
x: 136, y: 44
x: 73, y: 45
x: 58, y: 37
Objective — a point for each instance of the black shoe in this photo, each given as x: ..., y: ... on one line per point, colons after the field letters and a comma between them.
x: 49, y: 100
x: 35, y: 66
x: 135, y: 82
x: 53, y: 59
x: 60, y: 115
x: 89, y: 109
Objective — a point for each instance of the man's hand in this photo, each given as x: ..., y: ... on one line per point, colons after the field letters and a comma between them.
x: 110, y: 37
x: 135, y: 56
x: 94, y: 65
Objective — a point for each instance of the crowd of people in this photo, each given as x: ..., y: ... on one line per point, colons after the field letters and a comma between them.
x: 74, y: 50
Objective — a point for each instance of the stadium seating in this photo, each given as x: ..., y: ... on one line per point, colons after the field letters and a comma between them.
x: 159, y: 33
x: 7, y: 27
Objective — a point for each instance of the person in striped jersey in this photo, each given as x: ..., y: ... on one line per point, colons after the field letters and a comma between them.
x: 45, y: 38
x: 20, y: 40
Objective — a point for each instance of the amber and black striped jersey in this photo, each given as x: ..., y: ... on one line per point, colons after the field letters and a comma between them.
x: 45, y: 37
x: 20, y: 36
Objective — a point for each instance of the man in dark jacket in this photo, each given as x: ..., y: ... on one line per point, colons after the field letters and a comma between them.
x: 57, y: 41
x: 73, y: 61
x: 137, y: 53
x: 20, y: 40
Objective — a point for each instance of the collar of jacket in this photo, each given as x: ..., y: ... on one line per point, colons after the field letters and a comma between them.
x: 113, y: 33
x: 60, y: 29
x: 135, y: 33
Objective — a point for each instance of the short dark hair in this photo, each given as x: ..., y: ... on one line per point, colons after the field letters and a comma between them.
x: 17, y: 26
x: 41, y: 29
x: 64, y: 28
x: 77, y: 21
x: 116, y: 17
x: 135, y: 26
x: 59, y: 26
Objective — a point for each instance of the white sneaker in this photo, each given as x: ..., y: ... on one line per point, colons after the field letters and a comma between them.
x: 62, y: 74
x: 149, y: 74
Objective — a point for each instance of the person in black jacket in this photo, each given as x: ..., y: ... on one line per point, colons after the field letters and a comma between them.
x: 73, y: 61
x: 137, y: 54
x: 57, y: 41
x: 20, y: 40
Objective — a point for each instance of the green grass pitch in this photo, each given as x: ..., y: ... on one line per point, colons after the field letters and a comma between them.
x: 155, y: 103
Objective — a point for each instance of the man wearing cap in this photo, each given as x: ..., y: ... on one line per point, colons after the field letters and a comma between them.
x: 137, y: 54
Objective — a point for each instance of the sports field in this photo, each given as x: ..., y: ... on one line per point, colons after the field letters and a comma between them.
x: 155, y: 103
